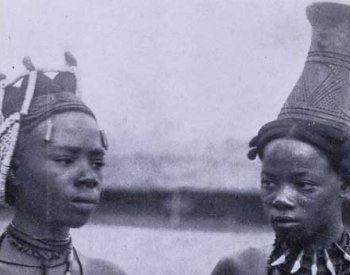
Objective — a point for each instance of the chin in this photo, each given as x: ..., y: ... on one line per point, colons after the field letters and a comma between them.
x: 293, y: 235
x: 79, y: 222
x: 74, y: 221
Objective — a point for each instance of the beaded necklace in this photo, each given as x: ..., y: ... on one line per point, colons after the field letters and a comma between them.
x: 44, y: 250
x: 295, y: 260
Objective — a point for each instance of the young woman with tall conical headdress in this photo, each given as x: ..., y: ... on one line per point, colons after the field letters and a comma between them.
x: 305, y: 155
x: 52, y: 154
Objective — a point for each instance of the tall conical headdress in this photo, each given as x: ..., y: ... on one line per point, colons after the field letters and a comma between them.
x: 322, y: 94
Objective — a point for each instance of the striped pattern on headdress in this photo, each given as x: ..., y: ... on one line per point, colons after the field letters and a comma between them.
x: 322, y: 94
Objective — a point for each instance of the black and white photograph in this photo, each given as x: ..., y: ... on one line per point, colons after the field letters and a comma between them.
x: 185, y: 137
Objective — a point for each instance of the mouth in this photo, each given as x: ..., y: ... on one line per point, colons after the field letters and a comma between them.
x: 285, y: 221
x: 84, y: 200
x: 84, y: 204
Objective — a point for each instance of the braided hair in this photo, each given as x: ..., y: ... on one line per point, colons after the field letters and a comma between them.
x: 333, y: 142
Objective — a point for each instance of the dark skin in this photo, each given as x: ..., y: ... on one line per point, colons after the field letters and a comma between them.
x: 301, y: 193
x: 302, y: 196
x: 58, y: 186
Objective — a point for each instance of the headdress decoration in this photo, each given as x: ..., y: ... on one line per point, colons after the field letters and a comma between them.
x: 322, y: 94
x: 35, y: 100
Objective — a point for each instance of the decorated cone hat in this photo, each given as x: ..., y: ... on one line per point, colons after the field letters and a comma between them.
x: 322, y: 93
x: 321, y: 96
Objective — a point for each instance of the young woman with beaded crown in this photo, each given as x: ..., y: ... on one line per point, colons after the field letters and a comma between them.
x: 305, y: 155
x: 52, y: 154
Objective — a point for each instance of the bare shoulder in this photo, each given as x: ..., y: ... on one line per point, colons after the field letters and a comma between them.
x: 99, y: 266
x: 246, y: 262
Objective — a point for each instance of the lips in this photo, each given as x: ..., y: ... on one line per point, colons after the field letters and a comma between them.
x: 84, y: 204
x: 84, y: 200
x: 285, y: 221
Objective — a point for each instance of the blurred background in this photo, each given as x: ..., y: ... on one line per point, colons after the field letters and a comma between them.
x: 180, y: 87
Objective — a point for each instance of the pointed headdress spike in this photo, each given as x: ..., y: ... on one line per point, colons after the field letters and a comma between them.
x: 27, y: 63
x: 297, y: 263
x: 72, y: 63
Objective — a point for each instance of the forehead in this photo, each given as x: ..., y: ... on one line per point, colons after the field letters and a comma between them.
x: 68, y: 129
x: 291, y: 153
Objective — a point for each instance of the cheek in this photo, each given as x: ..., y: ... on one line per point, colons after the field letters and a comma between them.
x: 267, y: 196
x: 54, y: 183
x: 60, y: 174
x: 266, y: 199
x: 320, y: 205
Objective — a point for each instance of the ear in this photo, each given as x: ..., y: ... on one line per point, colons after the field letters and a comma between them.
x: 345, y: 191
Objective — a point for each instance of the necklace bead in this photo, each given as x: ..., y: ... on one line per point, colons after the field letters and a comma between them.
x: 42, y: 249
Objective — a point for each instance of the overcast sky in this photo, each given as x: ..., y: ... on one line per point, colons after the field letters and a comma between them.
x: 165, y: 73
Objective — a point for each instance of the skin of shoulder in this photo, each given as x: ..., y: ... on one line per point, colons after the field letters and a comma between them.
x: 248, y: 262
x: 94, y: 266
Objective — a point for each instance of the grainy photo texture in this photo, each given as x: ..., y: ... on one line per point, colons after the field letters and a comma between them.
x: 174, y: 137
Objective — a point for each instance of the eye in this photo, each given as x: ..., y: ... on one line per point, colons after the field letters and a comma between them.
x: 98, y: 163
x: 268, y: 184
x: 65, y: 160
x: 305, y: 185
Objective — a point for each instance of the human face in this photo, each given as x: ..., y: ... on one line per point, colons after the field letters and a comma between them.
x: 59, y: 182
x: 300, y: 191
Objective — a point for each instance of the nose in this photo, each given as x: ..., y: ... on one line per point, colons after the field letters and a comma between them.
x: 87, y: 176
x: 284, y: 199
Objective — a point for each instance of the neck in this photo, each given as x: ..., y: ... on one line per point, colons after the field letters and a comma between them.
x: 40, y: 229
x: 325, y: 238
x: 321, y: 239
x: 25, y: 249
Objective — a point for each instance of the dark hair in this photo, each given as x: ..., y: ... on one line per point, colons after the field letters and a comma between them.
x: 333, y: 142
